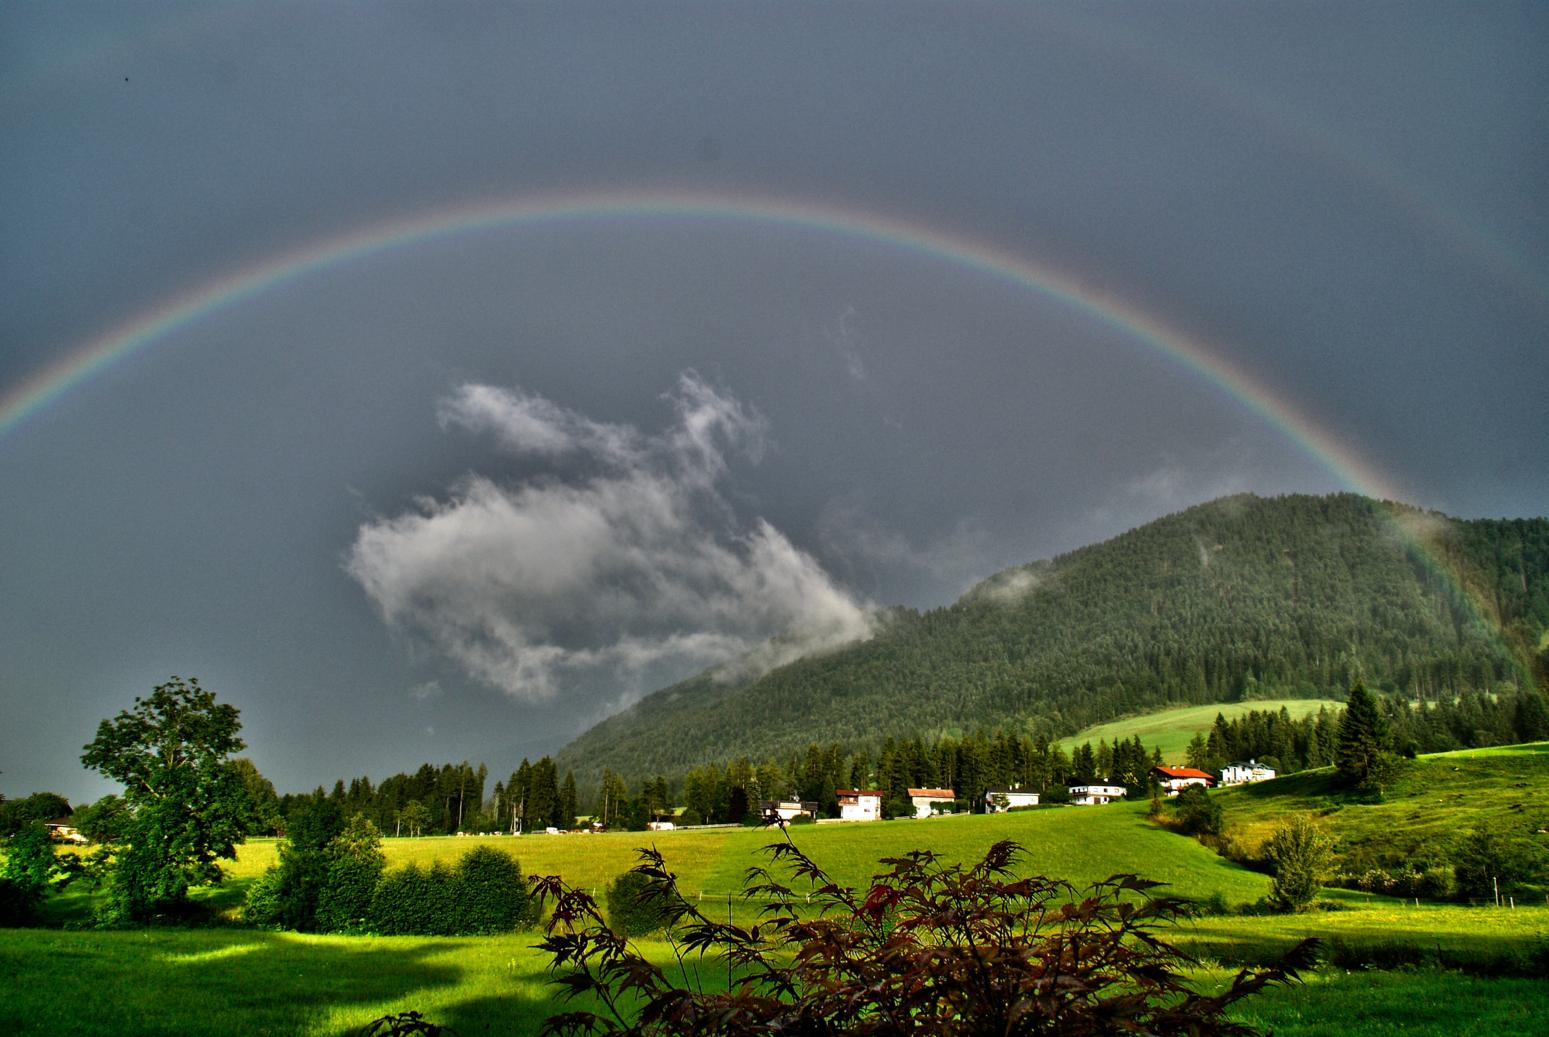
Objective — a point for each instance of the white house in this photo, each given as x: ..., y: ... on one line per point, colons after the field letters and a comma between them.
x: 859, y: 804
x: 1096, y: 794
x: 1240, y: 773
x: 1173, y: 780
x: 1000, y: 798
x: 927, y: 800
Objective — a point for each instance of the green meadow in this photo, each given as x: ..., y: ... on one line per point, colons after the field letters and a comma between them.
x: 1390, y: 967
x: 1432, y: 801
x: 1172, y: 729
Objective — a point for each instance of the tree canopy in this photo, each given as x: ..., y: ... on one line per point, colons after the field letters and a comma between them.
x: 172, y: 754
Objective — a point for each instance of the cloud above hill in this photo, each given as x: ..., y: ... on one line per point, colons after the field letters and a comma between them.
x: 625, y: 559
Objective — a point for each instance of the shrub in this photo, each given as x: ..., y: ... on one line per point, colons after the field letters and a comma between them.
x: 931, y: 948
x: 1199, y: 813
x: 485, y: 894
x: 344, y: 902
x: 631, y: 910
x: 1299, y: 852
x: 263, y: 905
x: 414, y: 902
x: 491, y: 893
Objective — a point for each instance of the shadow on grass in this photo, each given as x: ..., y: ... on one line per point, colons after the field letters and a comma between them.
x: 212, y: 981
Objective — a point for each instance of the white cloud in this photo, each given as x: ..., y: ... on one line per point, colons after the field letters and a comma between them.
x: 636, y: 567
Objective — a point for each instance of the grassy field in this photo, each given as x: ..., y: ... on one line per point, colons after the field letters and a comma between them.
x: 1433, y: 801
x: 233, y: 981
x: 1172, y: 729
x: 1081, y: 844
x: 1389, y: 968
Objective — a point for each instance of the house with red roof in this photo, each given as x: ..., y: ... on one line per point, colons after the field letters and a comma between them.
x: 1174, y: 780
x: 931, y: 801
x: 860, y: 804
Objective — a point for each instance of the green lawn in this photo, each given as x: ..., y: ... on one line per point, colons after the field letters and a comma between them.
x: 1172, y: 729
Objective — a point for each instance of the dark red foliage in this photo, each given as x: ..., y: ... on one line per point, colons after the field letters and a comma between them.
x: 929, y: 948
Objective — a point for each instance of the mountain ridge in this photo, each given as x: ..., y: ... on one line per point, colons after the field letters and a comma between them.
x: 1238, y: 598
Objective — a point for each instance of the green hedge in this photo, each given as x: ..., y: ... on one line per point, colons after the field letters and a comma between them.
x: 486, y: 893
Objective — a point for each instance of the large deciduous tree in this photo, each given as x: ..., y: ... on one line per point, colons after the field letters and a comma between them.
x: 172, y: 754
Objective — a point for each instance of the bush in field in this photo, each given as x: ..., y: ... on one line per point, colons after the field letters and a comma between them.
x: 631, y: 910
x: 326, y: 876
x: 287, y: 895
x: 1199, y: 813
x: 1299, y: 852
x: 414, y: 901
x: 263, y: 904
x: 929, y: 948
x: 485, y: 893
x: 491, y: 893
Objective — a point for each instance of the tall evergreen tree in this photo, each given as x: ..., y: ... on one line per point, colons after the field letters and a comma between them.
x: 1362, y: 756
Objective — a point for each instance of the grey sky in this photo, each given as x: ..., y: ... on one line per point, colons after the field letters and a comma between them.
x: 1346, y: 201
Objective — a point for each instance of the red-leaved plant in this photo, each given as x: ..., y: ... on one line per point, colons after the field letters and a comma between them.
x: 929, y: 948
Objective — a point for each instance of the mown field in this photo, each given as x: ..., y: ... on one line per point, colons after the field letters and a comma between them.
x: 1391, y: 968
x: 1172, y: 729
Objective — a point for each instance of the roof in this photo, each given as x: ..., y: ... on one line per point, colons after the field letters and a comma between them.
x: 932, y: 794
x: 1009, y: 790
x: 1183, y: 772
x: 859, y: 792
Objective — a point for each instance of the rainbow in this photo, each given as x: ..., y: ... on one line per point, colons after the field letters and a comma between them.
x: 32, y: 396
x: 79, y: 365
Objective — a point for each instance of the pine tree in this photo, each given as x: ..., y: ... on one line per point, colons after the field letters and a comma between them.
x: 1363, y: 755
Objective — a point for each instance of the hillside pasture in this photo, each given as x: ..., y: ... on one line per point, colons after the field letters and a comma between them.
x: 1172, y: 729
x: 1431, y: 803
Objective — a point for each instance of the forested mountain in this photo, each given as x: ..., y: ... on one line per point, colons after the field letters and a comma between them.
x: 1239, y: 598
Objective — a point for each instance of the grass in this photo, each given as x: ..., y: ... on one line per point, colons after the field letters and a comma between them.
x: 1450, y: 969
x: 234, y: 981
x: 1412, y: 1003
x: 1433, y: 801
x: 1172, y: 729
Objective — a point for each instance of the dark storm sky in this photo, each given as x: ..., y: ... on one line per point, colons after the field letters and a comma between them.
x: 458, y: 499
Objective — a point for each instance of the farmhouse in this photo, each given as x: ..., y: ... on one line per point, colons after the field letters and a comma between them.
x: 859, y: 804
x: 783, y: 810
x: 1245, y: 773
x: 928, y: 801
x: 1173, y: 780
x: 1000, y: 798
x: 1096, y: 794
